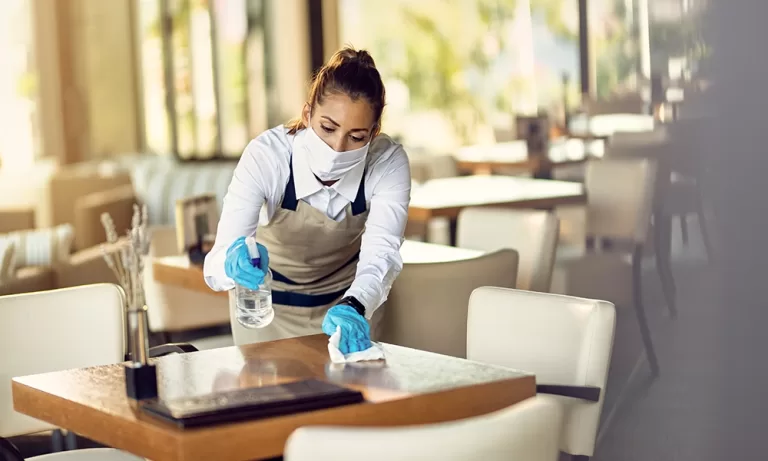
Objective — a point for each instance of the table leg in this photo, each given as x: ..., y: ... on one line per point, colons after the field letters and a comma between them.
x: 452, y: 229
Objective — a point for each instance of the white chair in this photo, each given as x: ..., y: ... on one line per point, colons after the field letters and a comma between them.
x: 619, y: 203
x: 563, y: 340
x: 442, y: 166
x: 527, y: 431
x: 533, y: 234
x: 57, y: 330
x: 175, y: 309
x: 427, y: 307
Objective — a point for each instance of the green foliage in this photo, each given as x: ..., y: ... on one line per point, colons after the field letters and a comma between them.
x: 434, y: 53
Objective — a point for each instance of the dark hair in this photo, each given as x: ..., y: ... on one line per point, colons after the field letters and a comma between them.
x: 350, y: 72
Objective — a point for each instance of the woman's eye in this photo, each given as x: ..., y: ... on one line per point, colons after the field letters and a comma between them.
x: 356, y: 139
x: 327, y: 129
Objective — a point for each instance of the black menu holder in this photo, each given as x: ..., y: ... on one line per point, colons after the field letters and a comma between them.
x: 250, y: 403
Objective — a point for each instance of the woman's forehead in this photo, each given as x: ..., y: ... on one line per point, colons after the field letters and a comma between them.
x: 348, y: 113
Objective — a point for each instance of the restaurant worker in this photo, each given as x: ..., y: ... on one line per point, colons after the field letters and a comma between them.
x: 327, y: 198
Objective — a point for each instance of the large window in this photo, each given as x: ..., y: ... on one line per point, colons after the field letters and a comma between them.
x: 457, y: 71
x: 20, y: 142
x: 203, y: 75
x: 617, y: 42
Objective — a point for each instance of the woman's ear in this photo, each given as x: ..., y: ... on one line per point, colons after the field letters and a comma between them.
x: 305, y: 115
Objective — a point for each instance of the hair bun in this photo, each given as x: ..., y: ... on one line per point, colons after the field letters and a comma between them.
x: 365, y: 58
x: 351, y: 55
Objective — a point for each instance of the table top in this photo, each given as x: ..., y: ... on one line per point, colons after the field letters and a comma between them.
x: 410, y: 387
x: 414, y: 252
x: 447, y: 196
x: 515, y: 153
x: 608, y: 124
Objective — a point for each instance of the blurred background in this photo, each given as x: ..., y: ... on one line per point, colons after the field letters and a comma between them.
x: 198, y: 78
x: 106, y: 102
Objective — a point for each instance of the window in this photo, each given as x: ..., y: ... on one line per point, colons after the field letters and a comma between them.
x: 203, y: 75
x: 20, y: 142
x: 513, y: 57
x: 618, y: 45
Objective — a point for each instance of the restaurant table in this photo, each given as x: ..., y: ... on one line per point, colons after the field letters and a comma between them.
x: 178, y: 271
x: 513, y: 156
x: 446, y: 197
x: 410, y: 387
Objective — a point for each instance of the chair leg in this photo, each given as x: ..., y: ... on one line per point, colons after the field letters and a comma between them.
x: 637, y: 290
x: 703, y: 225
x: 662, y: 232
x: 684, y: 228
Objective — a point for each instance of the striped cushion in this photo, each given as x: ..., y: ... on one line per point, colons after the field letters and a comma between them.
x: 41, y: 247
x: 159, y: 181
x: 7, y: 260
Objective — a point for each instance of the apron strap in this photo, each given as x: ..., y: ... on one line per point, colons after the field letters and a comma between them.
x: 289, y: 196
x: 358, y: 206
x: 278, y: 277
x: 288, y: 298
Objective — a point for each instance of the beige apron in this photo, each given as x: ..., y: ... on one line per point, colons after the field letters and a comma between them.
x: 313, y: 260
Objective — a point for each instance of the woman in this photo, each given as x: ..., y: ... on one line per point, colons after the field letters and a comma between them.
x: 336, y: 192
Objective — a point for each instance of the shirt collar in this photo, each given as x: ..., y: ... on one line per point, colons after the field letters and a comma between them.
x: 307, y: 184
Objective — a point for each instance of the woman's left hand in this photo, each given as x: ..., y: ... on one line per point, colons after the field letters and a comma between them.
x: 355, y: 331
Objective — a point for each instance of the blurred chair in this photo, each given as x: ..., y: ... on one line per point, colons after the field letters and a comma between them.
x: 564, y: 341
x: 527, y: 431
x: 427, y: 167
x: 533, y: 234
x: 57, y: 330
x: 427, y: 307
x: 619, y: 203
x: 682, y: 195
x: 174, y: 309
x: 442, y: 166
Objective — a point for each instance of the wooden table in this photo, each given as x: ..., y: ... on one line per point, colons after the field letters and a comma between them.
x: 446, y: 197
x: 514, y: 156
x: 411, y: 387
x: 177, y: 270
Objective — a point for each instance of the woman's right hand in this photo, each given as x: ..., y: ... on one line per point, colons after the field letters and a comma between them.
x: 238, y: 267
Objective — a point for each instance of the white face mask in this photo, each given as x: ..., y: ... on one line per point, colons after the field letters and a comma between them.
x: 326, y: 163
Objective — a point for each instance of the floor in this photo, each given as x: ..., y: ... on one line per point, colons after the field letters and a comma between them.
x: 671, y: 417
x: 684, y: 414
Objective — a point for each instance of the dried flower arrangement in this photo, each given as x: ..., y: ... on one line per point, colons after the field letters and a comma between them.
x: 128, y: 262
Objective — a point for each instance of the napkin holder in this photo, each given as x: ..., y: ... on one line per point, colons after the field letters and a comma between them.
x: 140, y: 375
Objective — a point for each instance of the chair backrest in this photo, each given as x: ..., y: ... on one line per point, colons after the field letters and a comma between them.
x: 427, y: 306
x: 442, y: 166
x: 620, y: 198
x: 533, y: 234
x: 56, y: 330
x: 561, y: 339
x: 526, y: 431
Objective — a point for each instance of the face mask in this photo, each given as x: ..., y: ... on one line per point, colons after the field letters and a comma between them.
x: 326, y: 163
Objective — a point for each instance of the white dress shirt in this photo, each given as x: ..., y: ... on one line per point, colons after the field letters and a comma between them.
x: 261, y: 177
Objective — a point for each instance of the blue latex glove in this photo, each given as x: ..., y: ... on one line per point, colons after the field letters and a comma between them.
x: 238, y: 267
x: 355, y: 332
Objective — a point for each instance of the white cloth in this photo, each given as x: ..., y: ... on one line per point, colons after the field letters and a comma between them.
x: 375, y: 352
x: 261, y: 176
